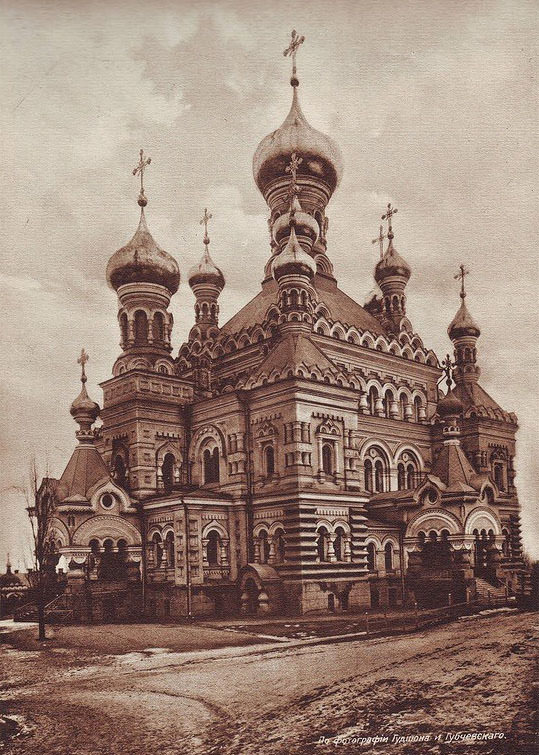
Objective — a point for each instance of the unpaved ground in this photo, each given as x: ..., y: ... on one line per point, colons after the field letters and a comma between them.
x: 469, y: 676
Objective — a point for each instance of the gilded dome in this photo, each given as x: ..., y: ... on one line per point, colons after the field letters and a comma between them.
x: 391, y: 264
x: 293, y: 260
x: 83, y: 408
x: 463, y: 323
x: 321, y: 156
x: 143, y: 261
x: 206, y: 271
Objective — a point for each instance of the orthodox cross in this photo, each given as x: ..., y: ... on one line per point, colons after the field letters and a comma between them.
x: 82, y: 361
x: 140, y: 168
x: 380, y: 240
x: 388, y: 215
x: 463, y: 272
x: 292, y: 168
x: 207, y: 216
x: 291, y: 51
x: 448, y: 365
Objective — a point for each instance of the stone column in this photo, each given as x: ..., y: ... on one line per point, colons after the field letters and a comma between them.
x: 332, y: 558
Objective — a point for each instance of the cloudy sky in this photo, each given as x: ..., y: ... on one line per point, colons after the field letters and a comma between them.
x: 434, y: 105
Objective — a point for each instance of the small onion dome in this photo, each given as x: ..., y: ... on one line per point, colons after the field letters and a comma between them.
x: 206, y: 271
x: 293, y: 260
x: 392, y: 264
x: 322, y: 158
x: 83, y: 409
x: 463, y: 324
x: 306, y: 225
x: 449, y: 406
x: 142, y: 261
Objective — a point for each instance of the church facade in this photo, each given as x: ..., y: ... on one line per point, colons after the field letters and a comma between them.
x: 299, y: 457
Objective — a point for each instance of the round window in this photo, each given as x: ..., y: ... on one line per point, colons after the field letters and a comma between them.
x: 107, y: 501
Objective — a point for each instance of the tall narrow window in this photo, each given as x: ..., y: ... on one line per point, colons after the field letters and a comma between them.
x: 327, y: 458
x: 212, y: 548
x: 371, y: 557
x: 498, y: 476
x: 167, y: 470
x: 158, y: 328
x: 210, y: 461
x: 338, y: 545
x: 124, y: 329
x: 169, y: 549
x: 378, y: 476
x: 417, y: 407
x: 373, y: 395
x: 388, y: 556
x: 141, y: 327
x: 410, y: 476
x: 368, y: 475
x: 264, y: 547
x: 280, y: 545
x: 269, y: 460
x: 403, y: 403
x: 401, y: 476
x: 322, y: 544
x: 388, y: 398
x: 120, y: 472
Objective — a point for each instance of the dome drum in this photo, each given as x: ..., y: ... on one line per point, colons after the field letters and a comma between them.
x: 314, y: 195
x: 307, y: 229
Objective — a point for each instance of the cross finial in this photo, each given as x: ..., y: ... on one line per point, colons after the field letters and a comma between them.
x: 292, y: 168
x: 387, y: 216
x: 206, y: 217
x: 291, y: 51
x: 82, y: 361
x: 380, y: 240
x: 448, y: 365
x: 463, y: 272
x: 139, y: 170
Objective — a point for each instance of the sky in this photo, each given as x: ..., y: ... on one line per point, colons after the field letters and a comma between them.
x: 433, y: 104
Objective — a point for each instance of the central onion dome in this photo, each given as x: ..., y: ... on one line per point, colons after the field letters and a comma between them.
x: 392, y: 264
x: 322, y: 159
x: 206, y: 271
x: 463, y: 323
x: 143, y: 261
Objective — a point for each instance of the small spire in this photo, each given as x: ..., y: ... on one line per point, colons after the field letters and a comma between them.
x: 463, y: 272
x: 291, y: 51
x: 139, y: 170
x: 388, y: 215
x: 206, y: 217
x: 380, y: 240
x: 8, y: 565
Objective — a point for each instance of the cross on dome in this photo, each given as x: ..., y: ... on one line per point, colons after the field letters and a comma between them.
x: 291, y: 51
x: 204, y: 221
x: 139, y: 170
x: 387, y: 216
x: 448, y: 365
x: 463, y: 272
x: 82, y: 361
x: 380, y: 240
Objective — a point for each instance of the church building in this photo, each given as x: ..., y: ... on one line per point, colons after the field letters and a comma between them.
x: 301, y: 457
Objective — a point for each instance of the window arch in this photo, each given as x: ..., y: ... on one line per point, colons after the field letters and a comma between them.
x: 338, y: 545
x: 322, y: 543
x: 141, y: 327
x: 388, y: 556
x: 158, y: 327
x: 269, y: 460
x: 368, y: 475
x: 371, y: 557
x: 167, y: 471
x: 327, y: 458
x: 213, y: 548
x: 417, y: 408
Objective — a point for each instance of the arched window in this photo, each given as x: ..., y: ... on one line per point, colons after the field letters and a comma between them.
x: 141, y: 327
x: 158, y: 327
x: 371, y: 557
x: 213, y: 549
x: 368, y: 475
x: 499, y: 476
x: 120, y: 472
x: 264, y: 547
x: 157, y: 544
x: 327, y: 458
x: 338, y: 545
x: 417, y: 407
x: 410, y: 476
x: 280, y: 545
x: 269, y: 460
x: 124, y: 329
x: 167, y: 470
x: 169, y: 549
x: 401, y: 477
x: 378, y: 476
x: 321, y: 544
x: 210, y: 461
x: 373, y: 395
x: 388, y: 556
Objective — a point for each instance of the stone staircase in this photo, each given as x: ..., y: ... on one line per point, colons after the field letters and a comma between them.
x: 487, y: 592
x: 57, y: 611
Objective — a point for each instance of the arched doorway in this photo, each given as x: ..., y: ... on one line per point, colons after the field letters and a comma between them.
x: 252, y: 592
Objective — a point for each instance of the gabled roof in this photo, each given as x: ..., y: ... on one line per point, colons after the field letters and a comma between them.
x: 342, y: 308
x: 293, y: 351
x: 84, y: 469
x: 454, y: 469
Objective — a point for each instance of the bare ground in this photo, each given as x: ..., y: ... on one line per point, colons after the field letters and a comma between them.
x: 478, y: 675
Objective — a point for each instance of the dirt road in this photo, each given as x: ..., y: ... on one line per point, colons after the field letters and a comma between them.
x: 428, y: 692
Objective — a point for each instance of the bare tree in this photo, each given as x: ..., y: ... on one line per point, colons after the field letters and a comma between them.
x: 41, y: 507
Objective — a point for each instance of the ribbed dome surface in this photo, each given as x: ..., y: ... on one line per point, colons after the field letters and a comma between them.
x: 321, y: 157
x: 392, y: 264
x: 83, y: 406
x: 463, y: 324
x: 143, y: 261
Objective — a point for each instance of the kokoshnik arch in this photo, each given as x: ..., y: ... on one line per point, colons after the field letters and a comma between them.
x: 300, y: 456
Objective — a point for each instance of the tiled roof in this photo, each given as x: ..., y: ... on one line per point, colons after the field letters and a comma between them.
x: 83, y: 471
